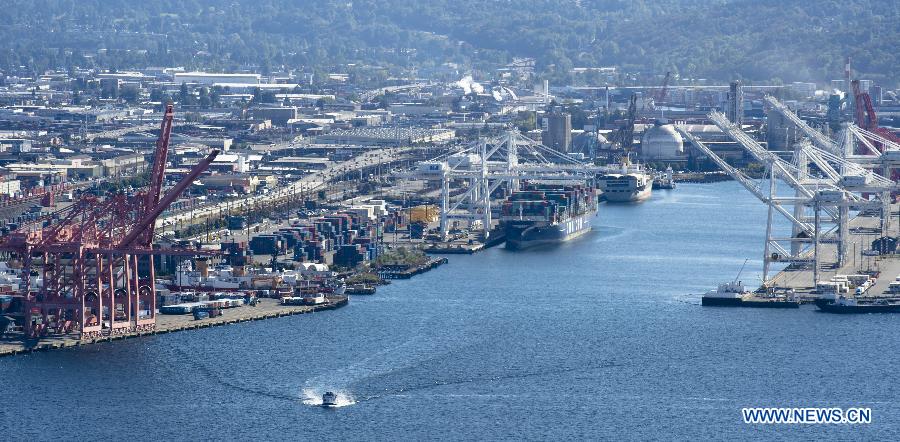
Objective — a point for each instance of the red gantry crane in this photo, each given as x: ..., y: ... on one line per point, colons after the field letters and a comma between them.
x: 865, y: 115
x: 89, y: 269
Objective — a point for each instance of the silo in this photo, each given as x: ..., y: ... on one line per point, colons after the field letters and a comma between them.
x: 662, y: 143
x: 781, y: 134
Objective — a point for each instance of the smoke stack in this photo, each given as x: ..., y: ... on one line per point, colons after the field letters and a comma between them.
x: 735, y: 107
x: 847, y: 76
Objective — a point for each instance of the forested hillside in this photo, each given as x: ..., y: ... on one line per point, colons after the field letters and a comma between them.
x: 752, y: 39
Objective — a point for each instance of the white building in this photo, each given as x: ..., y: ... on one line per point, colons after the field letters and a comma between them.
x: 10, y: 187
x: 803, y: 89
x: 211, y: 78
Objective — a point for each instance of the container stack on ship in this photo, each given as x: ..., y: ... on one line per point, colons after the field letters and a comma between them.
x: 547, y: 214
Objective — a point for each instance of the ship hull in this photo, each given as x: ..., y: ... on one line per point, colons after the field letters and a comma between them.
x: 830, y: 307
x: 522, y: 236
x: 711, y: 301
x: 630, y: 196
x: 661, y: 185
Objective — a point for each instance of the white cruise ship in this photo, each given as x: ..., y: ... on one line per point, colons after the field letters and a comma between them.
x: 626, y: 183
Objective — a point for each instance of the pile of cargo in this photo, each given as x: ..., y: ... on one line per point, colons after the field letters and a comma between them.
x: 167, y: 298
x: 190, y: 307
x: 528, y: 204
x: 894, y: 286
x: 313, y: 299
x: 204, y: 313
x: 10, y: 303
x: 551, y: 203
x: 236, y: 254
x: 425, y: 213
x: 840, y: 285
x: 266, y: 245
x: 180, y: 309
x: 345, y: 239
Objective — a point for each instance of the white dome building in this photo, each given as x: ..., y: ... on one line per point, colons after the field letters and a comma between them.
x: 662, y: 143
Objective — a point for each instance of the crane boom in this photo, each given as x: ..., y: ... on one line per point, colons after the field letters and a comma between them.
x: 817, y: 137
x: 160, y: 157
x: 628, y: 128
x: 146, y: 223
x: 664, y: 89
x: 157, y: 177
x: 752, y: 186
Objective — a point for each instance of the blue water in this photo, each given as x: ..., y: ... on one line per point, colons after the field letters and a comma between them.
x: 600, y: 338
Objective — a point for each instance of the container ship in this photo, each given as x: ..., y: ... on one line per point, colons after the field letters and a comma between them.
x: 547, y: 214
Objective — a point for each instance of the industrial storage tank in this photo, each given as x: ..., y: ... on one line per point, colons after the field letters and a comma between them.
x: 662, y: 143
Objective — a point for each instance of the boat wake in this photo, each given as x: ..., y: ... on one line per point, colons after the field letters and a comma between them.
x: 313, y: 398
x: 485, y: 378
x: 407, y: 353
x: 228, y: 381
x: 692, y: 297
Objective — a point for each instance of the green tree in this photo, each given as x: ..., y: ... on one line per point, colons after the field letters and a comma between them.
x: 184, y: 95
x: 130, y: 94
x: 203, y: 98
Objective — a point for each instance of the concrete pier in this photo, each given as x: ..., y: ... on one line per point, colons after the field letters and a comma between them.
x: 266, y: 309
x: 863, y: 231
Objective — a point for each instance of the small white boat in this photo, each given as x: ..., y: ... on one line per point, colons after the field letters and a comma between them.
x: 329, y: 399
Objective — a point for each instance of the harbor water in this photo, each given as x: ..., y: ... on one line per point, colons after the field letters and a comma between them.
x: 599, y: 338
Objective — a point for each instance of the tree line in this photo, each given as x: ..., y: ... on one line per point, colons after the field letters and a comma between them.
x: 790, y: 40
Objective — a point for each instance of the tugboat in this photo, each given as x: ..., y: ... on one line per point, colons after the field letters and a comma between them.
x: 665, y: 180
x: 854, y: 305
x: 329, y: 400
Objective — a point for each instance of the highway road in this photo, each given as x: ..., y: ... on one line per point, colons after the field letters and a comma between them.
x: 309, y: 183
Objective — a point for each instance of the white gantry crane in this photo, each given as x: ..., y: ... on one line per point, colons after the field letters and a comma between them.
x: 486, y: 165
x: 825, y: 188
x: 856, y: 144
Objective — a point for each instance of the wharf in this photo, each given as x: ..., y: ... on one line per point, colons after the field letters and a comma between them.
x: 701, y: 177
x: 863, y: 231
x: 471, y: 244
x: 454, y: 248
x: 412, y: 271
x: 265, y: 309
